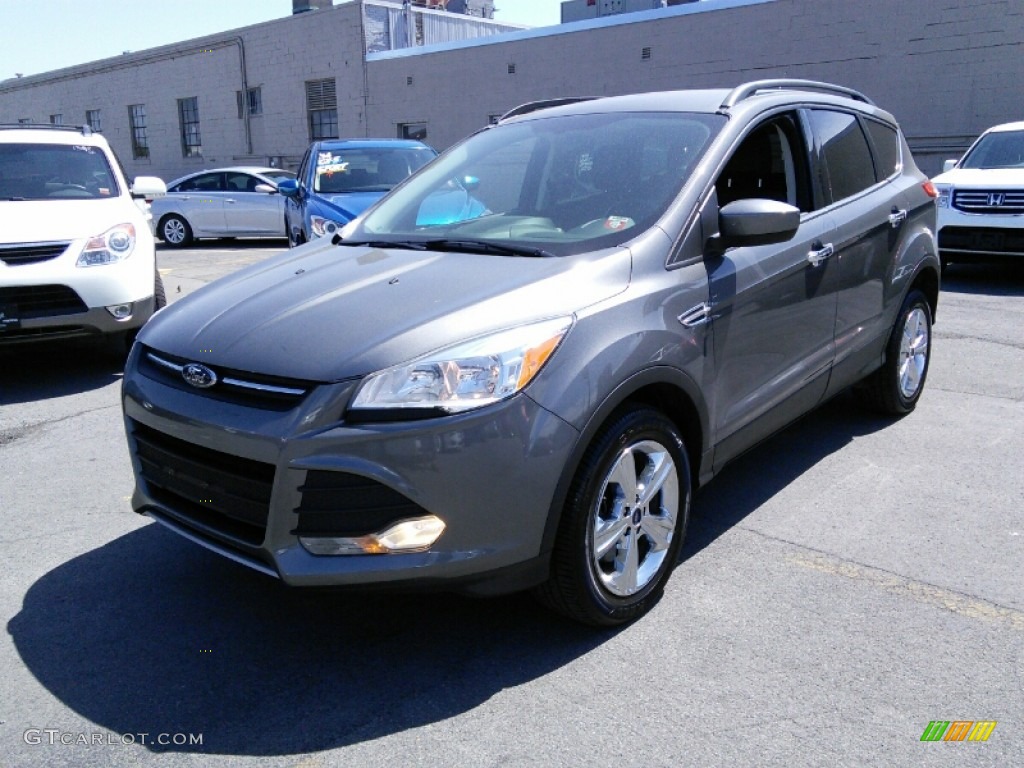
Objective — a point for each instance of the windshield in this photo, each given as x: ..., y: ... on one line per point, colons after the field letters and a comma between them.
x: 365, y: 170
x: 560, y: 184
x: 54, y: 171
x: 278, y: 176
x: 1003, y: 149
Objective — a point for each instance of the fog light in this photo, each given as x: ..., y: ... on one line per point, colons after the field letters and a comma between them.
x: 120, y: 311
x: 414, y: 535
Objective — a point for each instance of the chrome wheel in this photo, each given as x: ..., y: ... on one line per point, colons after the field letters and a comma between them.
x: 634, y: 519
x: 623, y: 522
x: 914, y: 346
x: 175, y: 231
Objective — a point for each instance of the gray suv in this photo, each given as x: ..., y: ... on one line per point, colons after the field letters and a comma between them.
x: 514, y: 370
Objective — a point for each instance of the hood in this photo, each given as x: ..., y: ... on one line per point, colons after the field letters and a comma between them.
x: 324, y: 313
x: 32, y: 221
x: 982, y: 178
x: 349, y: 204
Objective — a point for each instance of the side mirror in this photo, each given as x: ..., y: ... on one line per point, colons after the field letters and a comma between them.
x: 266, y: 189
x: 949, y: 165
x: 288, y: 187
x: 148, y: 186
x: 756, y: 221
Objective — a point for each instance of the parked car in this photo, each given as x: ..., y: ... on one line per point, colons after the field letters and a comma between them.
x: 77, y: 255
x: 981, y: 198
x: 339, y: 179
x: 523, y: 389
x: 223, y: 202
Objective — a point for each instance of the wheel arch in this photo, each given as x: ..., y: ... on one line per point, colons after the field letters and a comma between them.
x: 669, y: 391
x: 926, y: 281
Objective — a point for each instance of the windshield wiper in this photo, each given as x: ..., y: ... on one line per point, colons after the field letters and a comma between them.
x: 485, y: 246
x: 412, y: 245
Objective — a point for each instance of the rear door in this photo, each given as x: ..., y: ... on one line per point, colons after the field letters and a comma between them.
x: 201, y: 201
x: 864, y: 203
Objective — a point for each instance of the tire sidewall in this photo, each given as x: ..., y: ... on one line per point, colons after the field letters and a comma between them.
x: 915, y: 300
x: 631, y: 428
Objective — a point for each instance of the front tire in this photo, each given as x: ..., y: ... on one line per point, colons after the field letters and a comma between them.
x: 895, y: 388
x: 174, y: 230
x: 623, y: 523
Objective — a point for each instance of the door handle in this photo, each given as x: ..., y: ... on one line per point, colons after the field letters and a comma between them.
x: 897, y: 217
x: 229, y: 200
x: 816, y: 257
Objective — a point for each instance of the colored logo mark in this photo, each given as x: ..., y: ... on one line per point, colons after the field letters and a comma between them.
x: 958, y: 730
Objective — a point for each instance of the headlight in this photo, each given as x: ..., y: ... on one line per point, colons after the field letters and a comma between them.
x: 945, y: 193
x: 468, y: 375
x: 322, y: 227
x: 116, y: 244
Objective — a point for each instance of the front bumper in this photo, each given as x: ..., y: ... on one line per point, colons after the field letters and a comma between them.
x: 247, y: 479
x: 980, y: 235
x: 72, y: 324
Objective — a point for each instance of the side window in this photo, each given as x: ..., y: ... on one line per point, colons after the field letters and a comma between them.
x: 886, y: 143
x: 848, y: 168
x: 303, y: 168
x: 204, y: 182
x: 771, y: 163
x: 242, y: 182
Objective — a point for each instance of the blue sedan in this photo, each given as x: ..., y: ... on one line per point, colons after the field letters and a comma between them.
x: 339, y: 179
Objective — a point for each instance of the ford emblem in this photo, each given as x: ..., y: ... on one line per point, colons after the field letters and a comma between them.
x: 198, y: 375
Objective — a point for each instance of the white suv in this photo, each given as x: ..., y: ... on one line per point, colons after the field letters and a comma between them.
x: 77, y: 255
x: 981, y: 198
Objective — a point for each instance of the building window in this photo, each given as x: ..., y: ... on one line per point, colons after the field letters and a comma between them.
x: 645, y: 52
x: 24, y: 121
x: 137, y: 124
x: 417, y: 131
x: 57, y: 119
x: 255, y: 99
x: 188, y: 117
x: 322, y: 106
x: 511, y: 69
x: 92, y: 119
x: 493, y: 119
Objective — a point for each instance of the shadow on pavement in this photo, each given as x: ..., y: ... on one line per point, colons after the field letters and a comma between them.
x: 152, y: 634
x: 40, y: 371
x: 993, y: 279
x: 754, y: 478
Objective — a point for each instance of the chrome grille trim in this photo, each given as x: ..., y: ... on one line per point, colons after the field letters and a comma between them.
x: 230, y: 381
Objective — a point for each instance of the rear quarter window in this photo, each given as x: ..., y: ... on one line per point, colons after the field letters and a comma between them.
x: 886, y: 143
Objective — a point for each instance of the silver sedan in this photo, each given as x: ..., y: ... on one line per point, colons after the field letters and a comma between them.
x: 223, y: 202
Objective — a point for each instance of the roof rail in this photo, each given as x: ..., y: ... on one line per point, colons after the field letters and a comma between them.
x: 745, y: 91
x: 85, y: 130
x: 533, y: 106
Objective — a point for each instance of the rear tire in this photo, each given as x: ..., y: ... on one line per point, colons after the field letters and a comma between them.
x: 895, y: 388
x: 174, y: 230
x: 623, y: 523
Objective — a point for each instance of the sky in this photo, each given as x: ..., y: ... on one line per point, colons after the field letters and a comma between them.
x: 43, y: 35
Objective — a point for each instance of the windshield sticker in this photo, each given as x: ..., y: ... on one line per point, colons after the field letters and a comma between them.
x: 615, y: 223
x: 325, y: 158
x: 87, y: 150
x: 104, y: 191
x: 327, y: 170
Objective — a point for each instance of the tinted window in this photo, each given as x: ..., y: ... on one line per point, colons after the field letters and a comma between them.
x: 887, y: 148
x: 845, y: 151
x: 204, y: 182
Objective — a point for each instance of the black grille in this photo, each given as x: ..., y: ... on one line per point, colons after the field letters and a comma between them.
x: 989, y: 200
x: 341, y: 504
x: 31, y: 301
x: 274, y: 393
x: 30, y: 253
x: 207, y: 489
x: 982, y: 240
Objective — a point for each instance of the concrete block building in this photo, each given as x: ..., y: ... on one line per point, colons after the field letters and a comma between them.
x: 373, y: 68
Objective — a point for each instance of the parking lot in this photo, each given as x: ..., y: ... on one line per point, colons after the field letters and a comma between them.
x: 843, y: 585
